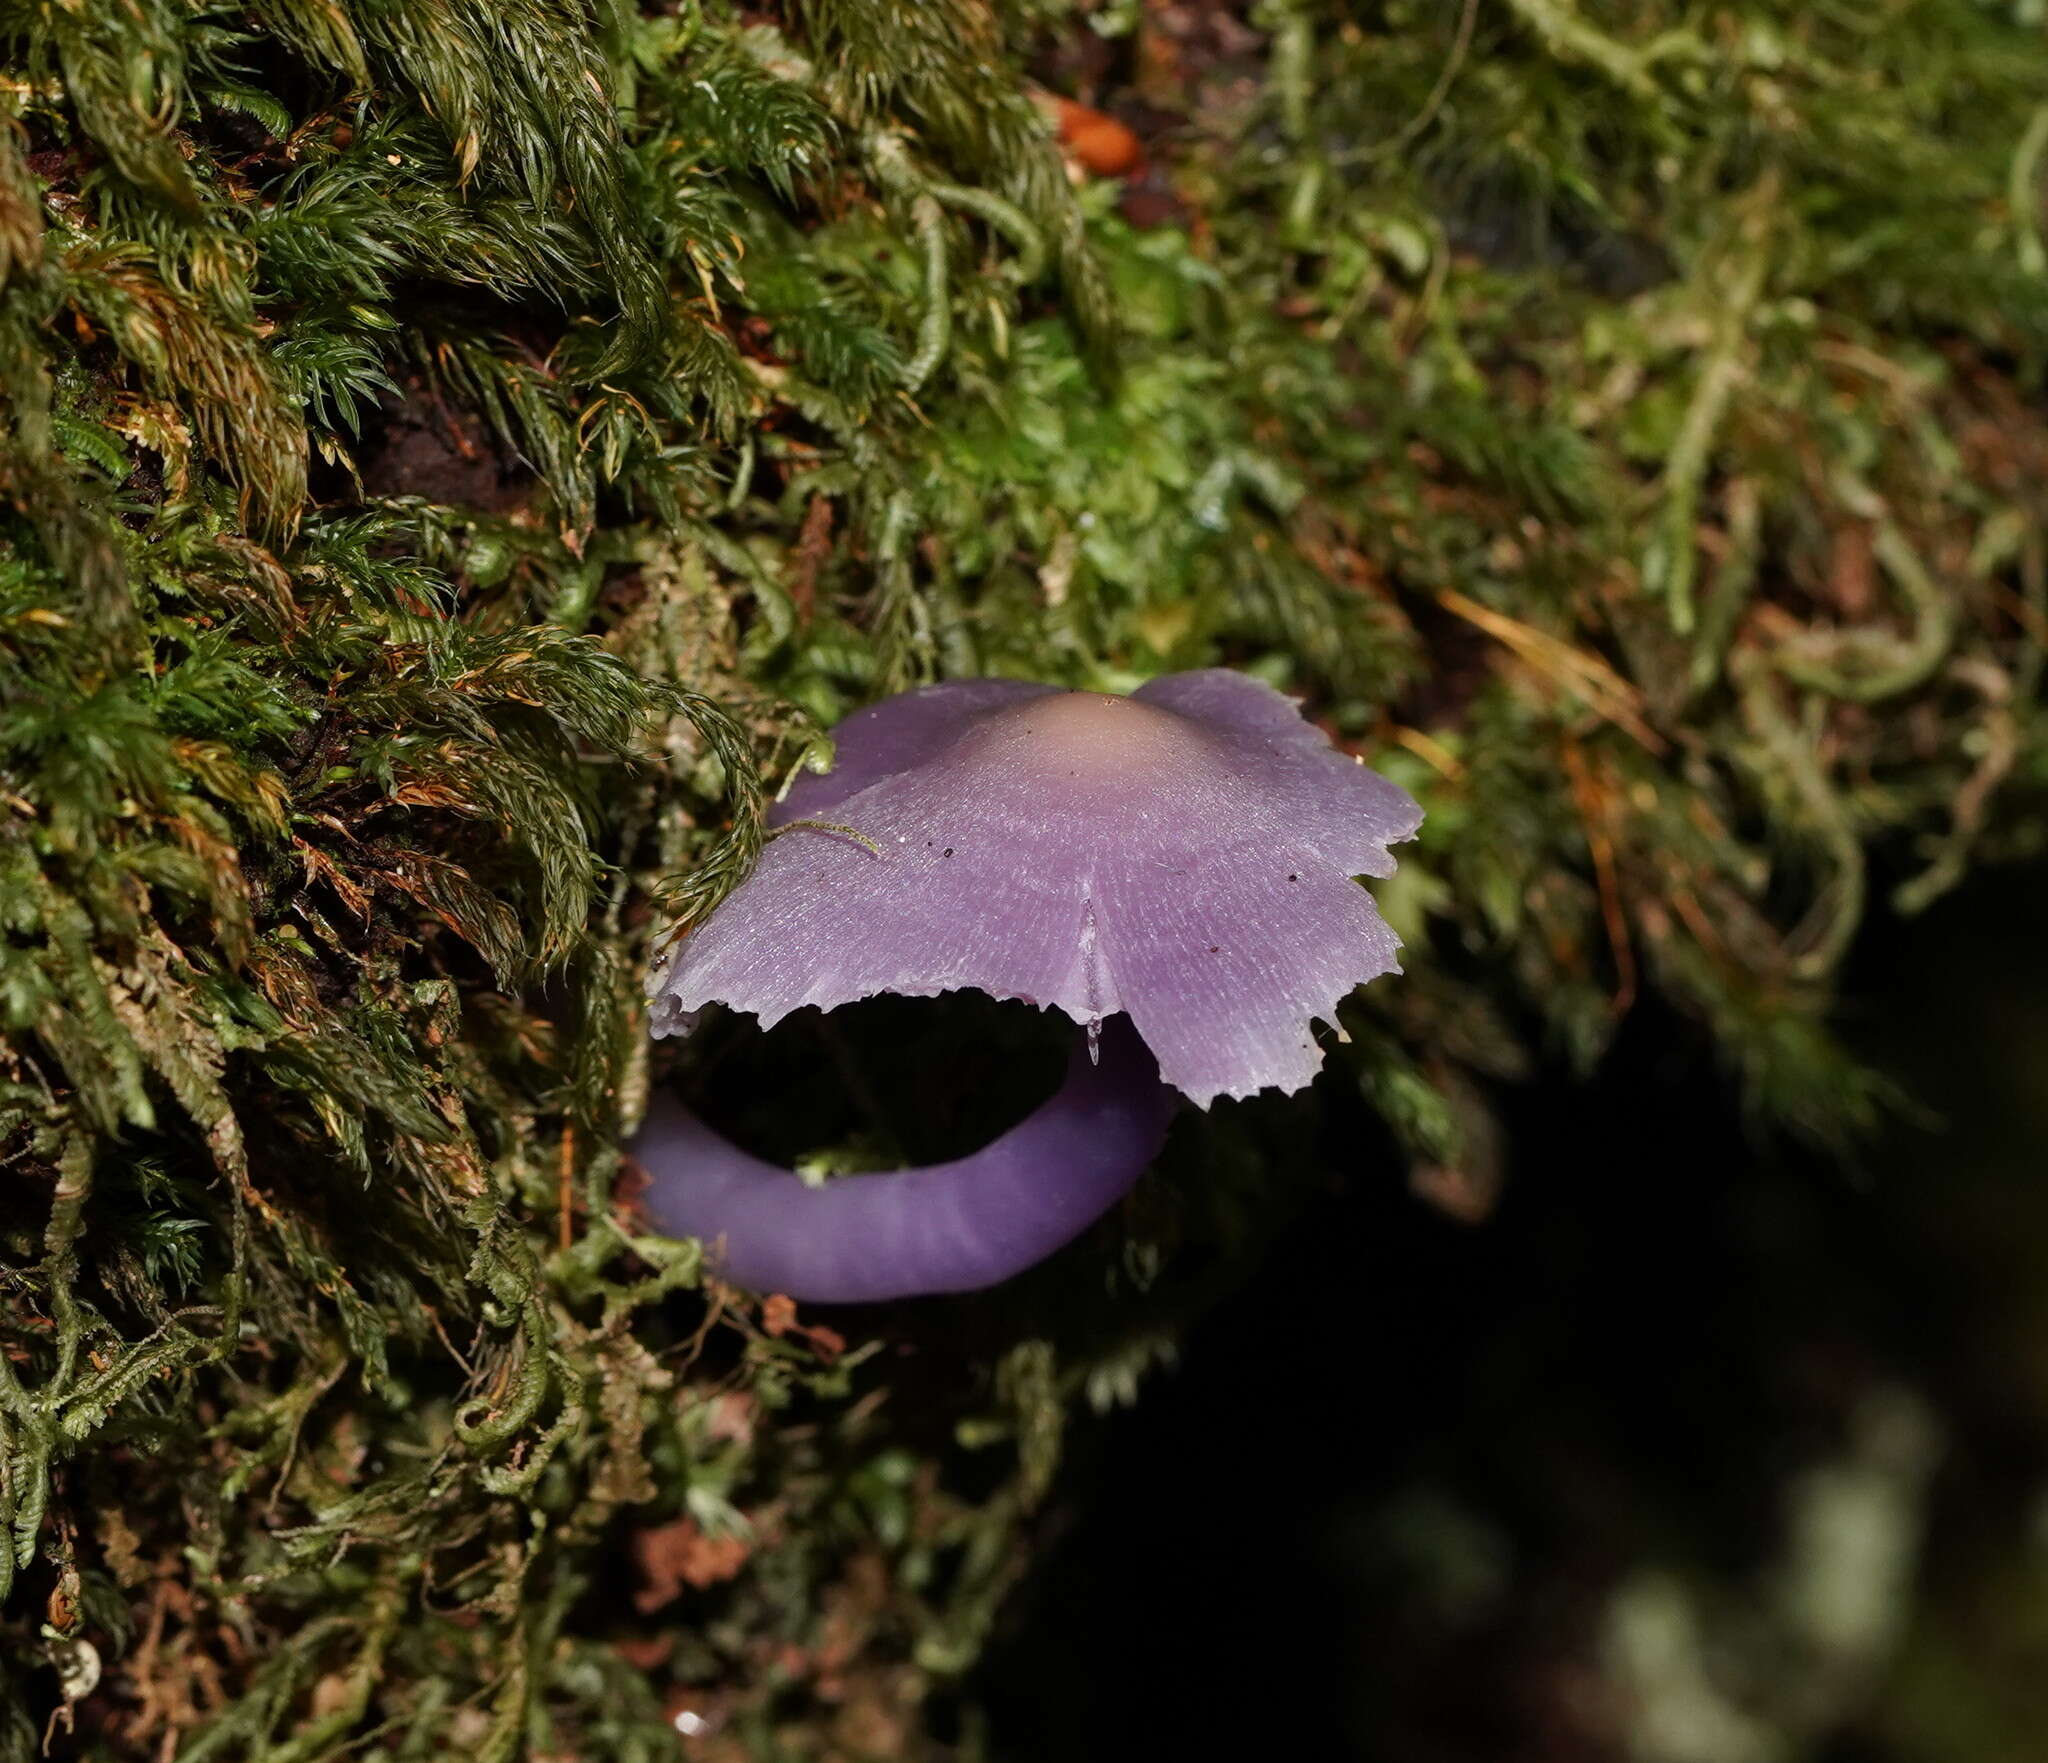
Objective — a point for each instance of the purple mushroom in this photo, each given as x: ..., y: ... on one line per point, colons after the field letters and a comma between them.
x: 1184, y: 857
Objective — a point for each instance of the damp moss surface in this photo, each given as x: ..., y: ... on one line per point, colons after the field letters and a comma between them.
x: 460, y: 456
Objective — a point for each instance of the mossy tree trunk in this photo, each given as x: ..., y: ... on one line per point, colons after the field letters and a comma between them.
x: 461, y: 453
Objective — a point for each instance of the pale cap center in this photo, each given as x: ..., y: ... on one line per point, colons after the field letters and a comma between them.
x: 1095, y: 734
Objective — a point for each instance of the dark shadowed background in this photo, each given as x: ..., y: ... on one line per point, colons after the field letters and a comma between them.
x: 1700, y: 1449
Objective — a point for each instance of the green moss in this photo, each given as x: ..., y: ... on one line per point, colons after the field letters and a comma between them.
x: 460, y: 450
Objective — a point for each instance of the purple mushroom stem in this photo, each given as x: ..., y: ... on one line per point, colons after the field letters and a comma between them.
x: 945, y: 1227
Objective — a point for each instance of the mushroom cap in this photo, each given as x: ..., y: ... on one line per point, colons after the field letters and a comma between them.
x: 1185, y: 855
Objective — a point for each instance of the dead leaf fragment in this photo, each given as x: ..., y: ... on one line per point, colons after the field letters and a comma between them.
x: 672, y: 1556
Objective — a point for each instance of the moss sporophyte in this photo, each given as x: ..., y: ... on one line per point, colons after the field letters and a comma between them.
x: 1174, y: 870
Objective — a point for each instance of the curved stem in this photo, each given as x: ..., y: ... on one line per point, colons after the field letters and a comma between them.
x: 946, y: 1227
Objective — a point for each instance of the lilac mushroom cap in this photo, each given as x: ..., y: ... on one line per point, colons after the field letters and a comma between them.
x: 1184, y: 856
